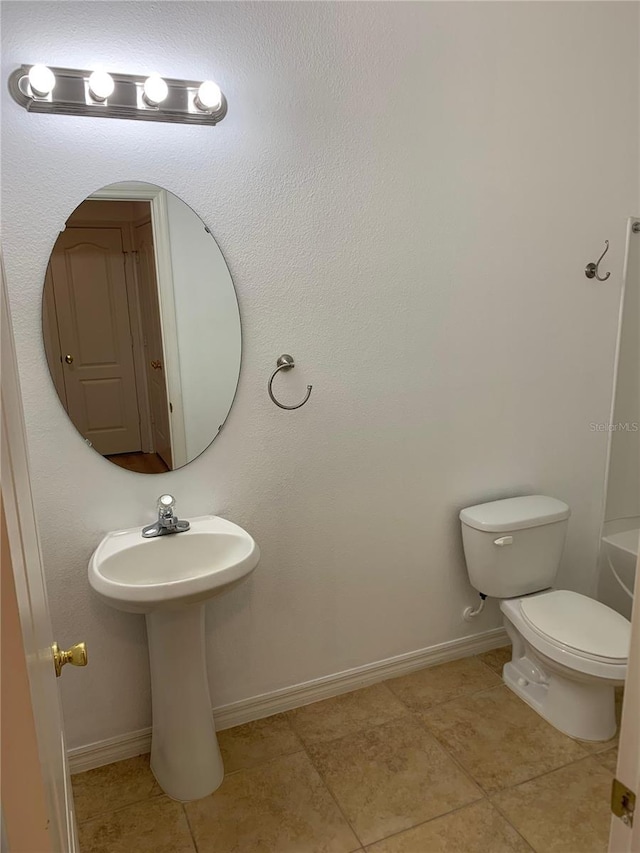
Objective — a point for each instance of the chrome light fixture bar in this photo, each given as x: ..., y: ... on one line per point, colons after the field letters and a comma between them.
x: 71, y: 91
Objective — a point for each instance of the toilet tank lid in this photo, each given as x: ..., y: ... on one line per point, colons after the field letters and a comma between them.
x: 515, y: 513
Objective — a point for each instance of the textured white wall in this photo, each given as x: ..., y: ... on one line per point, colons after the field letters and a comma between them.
x: 406, y: 194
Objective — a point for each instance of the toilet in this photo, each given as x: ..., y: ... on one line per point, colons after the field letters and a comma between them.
x: 569, y: 651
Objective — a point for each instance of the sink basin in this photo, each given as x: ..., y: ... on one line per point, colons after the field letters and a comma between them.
x: 140, y: 575
x: 169, y: 579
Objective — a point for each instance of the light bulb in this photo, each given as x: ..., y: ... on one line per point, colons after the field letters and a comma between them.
x: 209, y: 97
x: 42, y: 80
x: 155, y: 90
x: 101, y: 85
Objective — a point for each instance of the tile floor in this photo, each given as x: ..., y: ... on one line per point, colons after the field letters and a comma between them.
x: 443, y: 759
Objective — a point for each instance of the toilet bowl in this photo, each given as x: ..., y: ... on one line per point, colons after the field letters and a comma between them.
x: 569, y: 651
x: 569, y: 654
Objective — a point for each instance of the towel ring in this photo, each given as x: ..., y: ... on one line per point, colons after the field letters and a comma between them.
x: 286, y: 362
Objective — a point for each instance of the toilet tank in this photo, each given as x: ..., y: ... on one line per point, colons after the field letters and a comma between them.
x: 513, y: 547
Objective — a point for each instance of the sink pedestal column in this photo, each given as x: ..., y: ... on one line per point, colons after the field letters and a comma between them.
x: 185, y: 756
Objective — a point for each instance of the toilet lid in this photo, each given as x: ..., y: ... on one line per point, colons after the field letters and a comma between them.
x: 588, y: 626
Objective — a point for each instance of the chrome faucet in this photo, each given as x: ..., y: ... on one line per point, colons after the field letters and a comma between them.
x: 167, y: 522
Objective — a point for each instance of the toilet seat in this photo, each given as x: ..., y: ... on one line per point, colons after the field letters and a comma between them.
x: 571, y: 621
x: 588, y: 627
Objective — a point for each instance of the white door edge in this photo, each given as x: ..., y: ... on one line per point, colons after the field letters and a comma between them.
x: 169, y: 326
x: 164, y: 271
x: 622, y: 838
x: 31, y: 595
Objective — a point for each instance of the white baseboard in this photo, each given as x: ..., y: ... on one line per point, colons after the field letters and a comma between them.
x: 109, y: 750
x: 226, y: 716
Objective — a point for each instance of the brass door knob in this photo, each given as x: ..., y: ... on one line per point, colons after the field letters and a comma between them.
x: 68, y: 359
x: 76, y: 656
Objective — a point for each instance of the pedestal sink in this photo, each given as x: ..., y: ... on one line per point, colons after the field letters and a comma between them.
x: 169, y: 579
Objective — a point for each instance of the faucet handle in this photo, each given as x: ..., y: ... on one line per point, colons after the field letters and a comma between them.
x: 166, y: 502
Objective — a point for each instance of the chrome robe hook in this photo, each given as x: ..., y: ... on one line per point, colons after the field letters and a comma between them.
x: 593, y: 270
x: 286, y: 362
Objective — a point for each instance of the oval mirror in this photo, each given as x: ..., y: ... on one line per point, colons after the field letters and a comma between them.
x: 141, y: 327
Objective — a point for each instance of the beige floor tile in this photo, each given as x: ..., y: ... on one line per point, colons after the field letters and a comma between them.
x: 608, y: 759
x: 566, y: 811
x: 153, y: 826
x: 113, y: 786
x: 496, y: 658
x: 346, y: 714
x: 428, y: 687
x: 257, y: 742
x: 499, y: 739
x: 279, y: 807
x: 478, y: 828
x: 391, y: 777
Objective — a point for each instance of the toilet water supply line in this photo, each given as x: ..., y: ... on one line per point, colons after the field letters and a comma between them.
x: 470, y: 612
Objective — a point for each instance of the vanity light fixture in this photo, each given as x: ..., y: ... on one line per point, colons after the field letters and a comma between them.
x: 130, y: 96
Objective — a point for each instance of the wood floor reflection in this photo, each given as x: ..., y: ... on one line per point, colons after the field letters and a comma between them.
x: 142, y: 463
